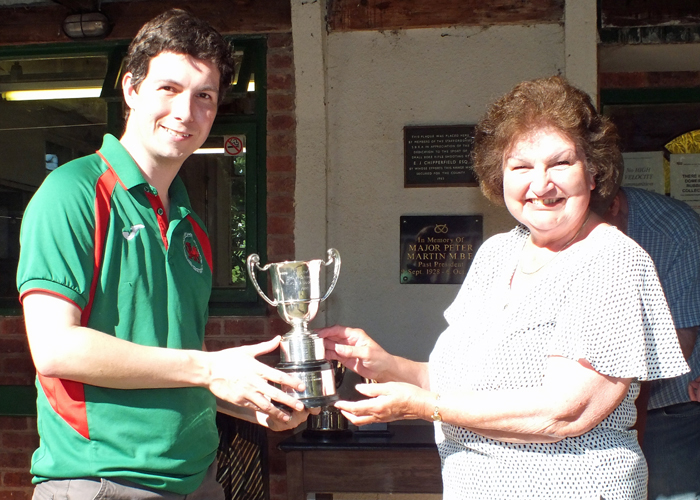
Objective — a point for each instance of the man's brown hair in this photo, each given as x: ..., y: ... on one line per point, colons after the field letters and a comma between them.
x: 179, y: 32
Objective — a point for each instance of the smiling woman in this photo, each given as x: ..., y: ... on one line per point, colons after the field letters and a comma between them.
x: 547, y: 188
x: 532, y: 385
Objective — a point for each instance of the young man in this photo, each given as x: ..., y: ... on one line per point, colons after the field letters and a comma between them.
x: 115, y: 278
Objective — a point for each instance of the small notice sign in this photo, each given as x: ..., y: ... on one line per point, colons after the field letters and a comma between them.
x: 645, y: 170
x: 234, y: 145
x: 438, y: 249
x: 438, y: 156
x: 685, y: 179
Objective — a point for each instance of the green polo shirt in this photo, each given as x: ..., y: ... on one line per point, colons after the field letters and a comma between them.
x: 95, y: 234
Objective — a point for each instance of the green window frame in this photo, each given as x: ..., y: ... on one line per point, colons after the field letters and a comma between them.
x: 224, y: 301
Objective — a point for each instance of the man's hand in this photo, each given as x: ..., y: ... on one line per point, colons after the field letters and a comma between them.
x: 238, y: 378
x: 694, y: 390
x: 296, y: 418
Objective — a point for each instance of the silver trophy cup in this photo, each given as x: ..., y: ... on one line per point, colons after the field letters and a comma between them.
x: 296, y: 289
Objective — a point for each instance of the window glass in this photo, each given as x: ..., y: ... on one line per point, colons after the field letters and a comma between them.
x: 215, y: 178
x: 37, y: 136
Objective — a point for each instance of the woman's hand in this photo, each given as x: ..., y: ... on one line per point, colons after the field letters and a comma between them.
x: 295, y: 418
x: 387, y: 403
x: 357, y: 351
x: 694, y: 390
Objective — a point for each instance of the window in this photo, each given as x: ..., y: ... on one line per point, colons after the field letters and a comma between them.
x: 226, y: 186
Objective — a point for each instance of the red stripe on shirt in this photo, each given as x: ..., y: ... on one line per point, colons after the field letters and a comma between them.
x: 103, y: 208
x: 67, y: 397
x: 157, y: 204
x: 203, y: 240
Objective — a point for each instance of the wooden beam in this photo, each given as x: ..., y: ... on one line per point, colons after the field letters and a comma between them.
x: 29, y: 25
x: 617, y: 14
x: 78, y: 6
x: 348, y: 15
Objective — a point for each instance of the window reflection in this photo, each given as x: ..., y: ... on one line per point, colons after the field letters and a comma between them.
x: 216, y: 186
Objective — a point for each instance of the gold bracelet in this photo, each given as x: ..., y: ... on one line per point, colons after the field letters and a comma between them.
x: 436, y: 412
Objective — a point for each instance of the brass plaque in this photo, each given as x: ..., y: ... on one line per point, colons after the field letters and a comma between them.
x: 438, y: 249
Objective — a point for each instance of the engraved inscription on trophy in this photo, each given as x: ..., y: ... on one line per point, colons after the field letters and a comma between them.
x: 296, y: 288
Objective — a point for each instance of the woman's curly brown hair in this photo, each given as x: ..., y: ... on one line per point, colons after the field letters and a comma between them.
x: 546, y: 103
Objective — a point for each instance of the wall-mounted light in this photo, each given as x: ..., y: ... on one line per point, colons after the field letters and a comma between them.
x: 88, y: 25
x: 38, y: 95
x: 209, y: 151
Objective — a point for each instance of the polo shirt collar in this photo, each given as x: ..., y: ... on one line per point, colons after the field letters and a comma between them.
x: 121, y: 161
x: 130, y: 175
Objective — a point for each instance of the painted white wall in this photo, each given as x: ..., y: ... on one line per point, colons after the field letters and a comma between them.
x: 377, y: 83
x: 581, y: 45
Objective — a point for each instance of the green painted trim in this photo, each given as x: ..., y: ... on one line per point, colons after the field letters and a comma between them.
x: 611, y: 97
x: 18, y: 400
x: 59, y: 49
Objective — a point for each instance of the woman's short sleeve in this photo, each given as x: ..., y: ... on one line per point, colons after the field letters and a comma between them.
x: 614, y: 315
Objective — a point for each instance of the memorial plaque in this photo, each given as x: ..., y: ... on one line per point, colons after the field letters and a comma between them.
x: 438, y: 156
x: 438, y: 249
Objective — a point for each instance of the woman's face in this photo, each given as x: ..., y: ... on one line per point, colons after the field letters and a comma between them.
x: 546, y: 186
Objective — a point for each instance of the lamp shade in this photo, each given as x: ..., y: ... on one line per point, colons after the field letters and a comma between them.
x: 88, y: 25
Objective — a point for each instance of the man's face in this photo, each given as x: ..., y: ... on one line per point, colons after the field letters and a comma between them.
x: 173, y: 109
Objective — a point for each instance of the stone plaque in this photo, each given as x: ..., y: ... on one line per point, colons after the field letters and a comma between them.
x: 438, y: 249
x: 438, y: 156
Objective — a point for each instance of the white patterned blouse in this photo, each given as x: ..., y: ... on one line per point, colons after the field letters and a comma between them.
x: 601, y: 301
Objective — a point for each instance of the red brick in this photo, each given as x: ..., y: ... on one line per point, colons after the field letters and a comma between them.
x: 19, y: 440
x: 280, y: 102
x: 278, y: 327
x: 281, y: 183
x: 8, y: 345
x: 16, y: 495
x: 19, y: 365
x: 280, y: 60
x: 16, y: 479
x: 277, y: 224
x: 15, y: 460
x: 12, y: 325
x: 280, y: 205
x: 280, y: 245
x: 244, y: 326
x: 281, y: 123
x: 17, y: 423
x: 214, y: 327
x: 282, y: 163
x: 12, y: 379
x: 280, y: 81
x: 279, y: 144
x: 276, y: 40
x: 218, y: 345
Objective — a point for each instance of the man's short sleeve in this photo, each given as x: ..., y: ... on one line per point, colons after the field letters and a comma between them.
x: 56, y: 237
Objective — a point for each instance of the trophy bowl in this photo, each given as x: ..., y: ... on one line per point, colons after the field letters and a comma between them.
x: 296, y: 287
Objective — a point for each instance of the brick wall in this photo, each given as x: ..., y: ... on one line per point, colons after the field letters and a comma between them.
x: 18, y: 437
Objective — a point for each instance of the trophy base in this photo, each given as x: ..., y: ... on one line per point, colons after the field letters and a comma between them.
x: 319, y: 382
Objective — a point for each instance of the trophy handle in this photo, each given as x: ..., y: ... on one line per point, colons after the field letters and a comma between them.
x: 333, y: 256
x: 252, y: 262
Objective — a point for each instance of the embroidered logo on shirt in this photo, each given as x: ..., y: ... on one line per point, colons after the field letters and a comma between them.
x: 131, y: 233
x: 193, y: 252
